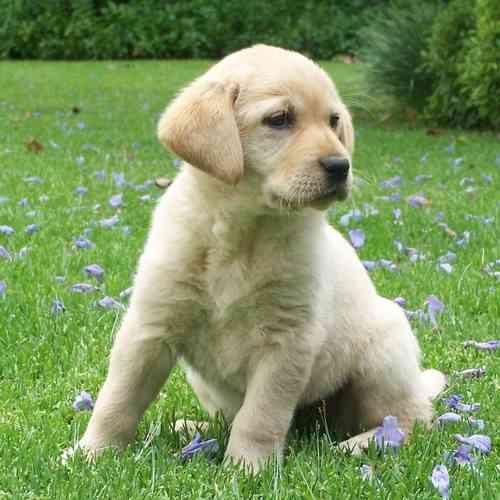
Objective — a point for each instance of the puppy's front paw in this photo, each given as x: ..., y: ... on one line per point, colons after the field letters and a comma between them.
x: 86, y: 449
x: 251, y: 457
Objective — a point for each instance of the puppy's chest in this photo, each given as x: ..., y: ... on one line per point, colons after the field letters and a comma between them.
x: 247, y: 301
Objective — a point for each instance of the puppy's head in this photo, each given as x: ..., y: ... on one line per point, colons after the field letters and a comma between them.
x: 270, y: 114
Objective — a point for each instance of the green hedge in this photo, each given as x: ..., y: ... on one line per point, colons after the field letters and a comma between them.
x: 102, y: 29
x: 464, y: 56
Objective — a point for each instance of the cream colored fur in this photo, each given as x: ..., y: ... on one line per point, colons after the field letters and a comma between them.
x: 243, y: 280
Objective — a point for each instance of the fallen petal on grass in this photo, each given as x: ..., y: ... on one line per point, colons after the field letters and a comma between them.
x: 83, y: 402
x: 434, y: 307
x: 95, y: 271
x: 366, y: 472
x: 455, y: 402
x: 4, y: 254
x: 83, y: 288
x: 3, y: 289
x: 463, y: 456
x: 418, y: 201
x: 208, y: 447
x: 489, y: 345
x: 389, y: 435
x: 109, y: 303
x: 107, y: 223
x: 357, y: 237
x: 449, y: 418
x: 7, y: 230
x: 441, y: 480
x: 57, y: 307
x: 116, y: 200
x: 84, y: 243
x: 471, y: 373
x: 477, y: 441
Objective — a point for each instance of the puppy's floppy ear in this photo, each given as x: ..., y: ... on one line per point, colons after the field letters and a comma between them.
x: 346, y: 132
x: 200, y: 126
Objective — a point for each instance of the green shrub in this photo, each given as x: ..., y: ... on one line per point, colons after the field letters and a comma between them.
x: 464, y: 57
x: 479, y: 74
x: 392, y: 46
x: 105, y: 29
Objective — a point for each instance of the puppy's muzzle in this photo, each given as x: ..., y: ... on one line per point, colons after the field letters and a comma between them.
x: 336, y: 168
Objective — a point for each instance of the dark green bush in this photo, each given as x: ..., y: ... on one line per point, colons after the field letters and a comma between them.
x: 464, y: 54
x: 104, y: 29
x: 392, y: 45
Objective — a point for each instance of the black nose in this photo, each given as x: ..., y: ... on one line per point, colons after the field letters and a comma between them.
x: 337, y: 168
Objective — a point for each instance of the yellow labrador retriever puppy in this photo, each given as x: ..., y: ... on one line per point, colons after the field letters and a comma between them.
x: 243, y: 280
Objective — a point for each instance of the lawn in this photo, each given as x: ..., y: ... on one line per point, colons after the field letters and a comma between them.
x: 76, y: 134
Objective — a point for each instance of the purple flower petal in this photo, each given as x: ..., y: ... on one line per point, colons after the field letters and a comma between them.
x: 387, y: 264
x: 396, y: 213
x: 99, y: 175
x: 369, y: 265
x: 447, y: 268
x: 81, y: 190
x: 449, y: 418
x: 119, y: 179
x: 434, y: 307
x: 366, y: 472
x: 488, y: 179
x: 357, y: 237
x: 116, y: 200
x: 83, y: 401
x: 3, y: 289
x: 447, y: 258
x: 464, y: 239
x: 107, y: 223
x: 463, y: 456
x: 4, y: 254
x: 94, y: 270
x: 109, y: 303
x: 354, y: 214
x: 31, y: 228
x: 455, y: 403
x: 83, y: 288
x: 400, y: 301
x: 83, y: 243
x: 441, y: 480
x: 478, y: 423
x: 471, y: 373
x: 490, y: 345
x: 418, y: 200
x: 57, y: 307
x: 418, y: 315
x: 7, y: 230
x: 389, y: 435
x: 126, y: 293
x: 23, y: 202
x: 478, y: 441
x: 391, y: 183
x: 197, y: 445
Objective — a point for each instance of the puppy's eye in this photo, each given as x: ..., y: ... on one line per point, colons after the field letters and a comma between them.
x: 279, y: 120
x: 334, y: 120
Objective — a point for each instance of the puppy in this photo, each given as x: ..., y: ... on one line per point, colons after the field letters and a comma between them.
x: 243, y: 280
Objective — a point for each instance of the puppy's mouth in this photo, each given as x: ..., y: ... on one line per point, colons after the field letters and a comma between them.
x: 319, y: 200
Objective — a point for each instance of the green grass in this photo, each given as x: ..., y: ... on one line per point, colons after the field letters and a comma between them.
x: 46, y: 360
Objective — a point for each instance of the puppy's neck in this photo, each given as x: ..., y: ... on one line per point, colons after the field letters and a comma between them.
x: 238, y: 215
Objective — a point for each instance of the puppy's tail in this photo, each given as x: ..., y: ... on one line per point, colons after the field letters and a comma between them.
x: 433, y: 382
